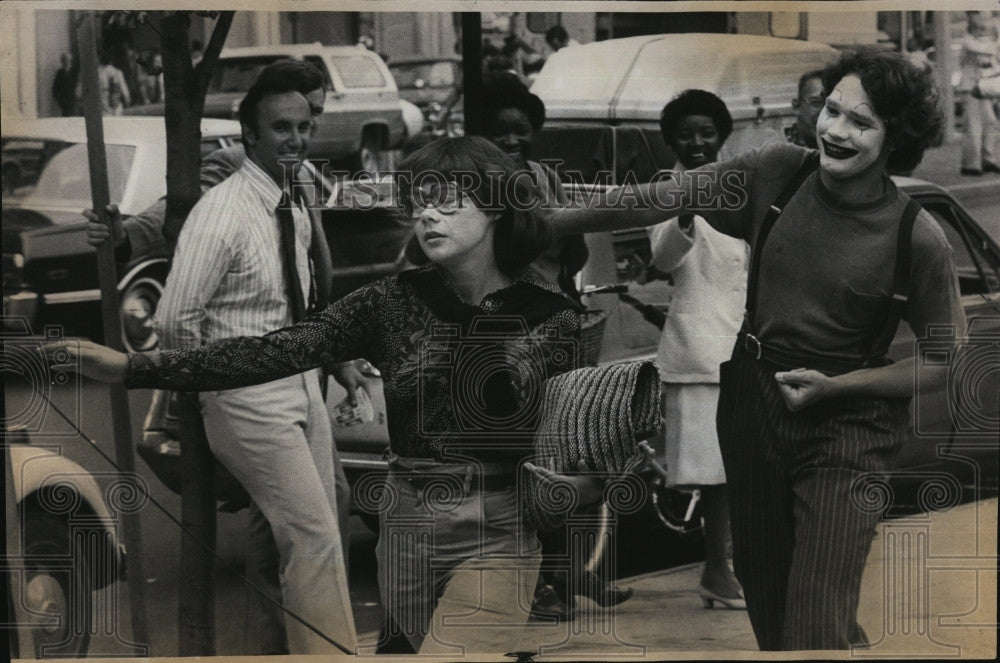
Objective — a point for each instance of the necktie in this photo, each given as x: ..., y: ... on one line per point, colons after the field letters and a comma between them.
x: 293, y: 286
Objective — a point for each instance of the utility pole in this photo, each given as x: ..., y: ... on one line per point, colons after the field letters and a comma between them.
x: 944, y: 65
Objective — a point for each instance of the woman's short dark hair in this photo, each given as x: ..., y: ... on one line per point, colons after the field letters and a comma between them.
x: 507, y: 91
x: 494, y: 183
x: 904, y: 96
x: 695, y: 102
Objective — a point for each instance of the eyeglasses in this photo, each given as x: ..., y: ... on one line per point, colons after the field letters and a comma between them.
x: 445, y: 199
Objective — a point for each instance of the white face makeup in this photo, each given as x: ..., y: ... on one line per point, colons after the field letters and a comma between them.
x: 851, y: 135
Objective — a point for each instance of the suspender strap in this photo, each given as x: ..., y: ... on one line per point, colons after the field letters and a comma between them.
x: 807, y: 167
x: 900, y: 282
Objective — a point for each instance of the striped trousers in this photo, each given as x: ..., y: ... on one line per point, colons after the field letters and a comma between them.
x: 801, y: 530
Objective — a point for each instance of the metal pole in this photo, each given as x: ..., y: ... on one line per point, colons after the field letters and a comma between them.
x: 108, y: 281
x: 472, y: 72
x: 944, y: 65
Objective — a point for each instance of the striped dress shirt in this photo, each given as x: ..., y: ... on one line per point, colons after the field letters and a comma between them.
x: 227, y: 279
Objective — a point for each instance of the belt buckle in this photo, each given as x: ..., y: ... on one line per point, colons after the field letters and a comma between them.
x: 747, y: 338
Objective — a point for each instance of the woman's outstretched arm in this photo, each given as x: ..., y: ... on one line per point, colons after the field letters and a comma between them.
x: 338, y: 333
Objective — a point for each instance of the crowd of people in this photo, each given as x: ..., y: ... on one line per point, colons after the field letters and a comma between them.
x: 773, y: 432
x: 125, y: 78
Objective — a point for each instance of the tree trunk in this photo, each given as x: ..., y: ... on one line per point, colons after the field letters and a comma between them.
x: 184, y: 88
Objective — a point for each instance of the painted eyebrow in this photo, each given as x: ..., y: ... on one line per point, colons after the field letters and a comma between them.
x: 853, y: 114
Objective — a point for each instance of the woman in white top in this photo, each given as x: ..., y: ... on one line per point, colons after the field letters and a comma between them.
x: 709, y: 271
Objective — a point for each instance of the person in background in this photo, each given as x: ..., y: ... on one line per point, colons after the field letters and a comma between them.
x: 113, y: 88
x: 709, y: 272
x: 557, y: 38
x: 197, y: 51
x: 64, y: 85
x: 241, y: 268
x: 807, y: 103
x: 143, y: 233
x: 980, y: 59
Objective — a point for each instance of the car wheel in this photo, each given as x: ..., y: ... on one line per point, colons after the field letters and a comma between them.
x: 139, y: 300
x: 56, y: 585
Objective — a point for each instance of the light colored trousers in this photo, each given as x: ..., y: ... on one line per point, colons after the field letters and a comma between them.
x: 981, y: 142
x: 275, y: 439
x: 457, y: 565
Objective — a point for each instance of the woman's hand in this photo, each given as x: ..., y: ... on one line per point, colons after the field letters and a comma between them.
x: 350, y: 377
x: 88, y: 359
x: 98, y: 232
x: 588, y: 488
x: 803, y: 387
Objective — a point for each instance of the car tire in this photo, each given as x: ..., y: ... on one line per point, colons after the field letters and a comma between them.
x: 138, y: 300
x: 57, y: 581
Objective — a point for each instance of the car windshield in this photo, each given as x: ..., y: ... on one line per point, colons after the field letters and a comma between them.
x: 358, y: 71
x: 62, y: 178
x: 416, y: 75
x: 238, y: 74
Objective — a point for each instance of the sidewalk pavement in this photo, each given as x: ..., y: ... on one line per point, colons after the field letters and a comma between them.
x: 929, y: 591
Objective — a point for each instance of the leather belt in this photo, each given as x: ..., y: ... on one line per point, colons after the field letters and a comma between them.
x: 748, y: 345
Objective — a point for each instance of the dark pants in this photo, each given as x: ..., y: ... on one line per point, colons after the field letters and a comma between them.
x: 801, y: 528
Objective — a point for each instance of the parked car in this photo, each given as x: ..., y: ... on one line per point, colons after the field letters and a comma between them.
x: 49, y: 270
x: 433, y: 84
x: 65, y: 540
x: 362, y: 116
x: 624, y: 83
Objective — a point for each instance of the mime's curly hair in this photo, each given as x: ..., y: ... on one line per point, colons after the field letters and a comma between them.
x: 904, y: 96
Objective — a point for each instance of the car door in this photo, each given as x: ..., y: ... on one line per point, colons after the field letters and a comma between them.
x: 961, y: 419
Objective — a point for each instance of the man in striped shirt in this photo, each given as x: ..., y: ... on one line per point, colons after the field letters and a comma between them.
x: 142, y: 234
x: 227, y: 280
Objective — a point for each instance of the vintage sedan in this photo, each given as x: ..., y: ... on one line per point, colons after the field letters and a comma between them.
x: 49, y: 270
x: 62, y: 546
x: 624, y: 84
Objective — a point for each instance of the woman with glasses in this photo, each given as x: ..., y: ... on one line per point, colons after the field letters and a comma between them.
x: 463, y: 342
